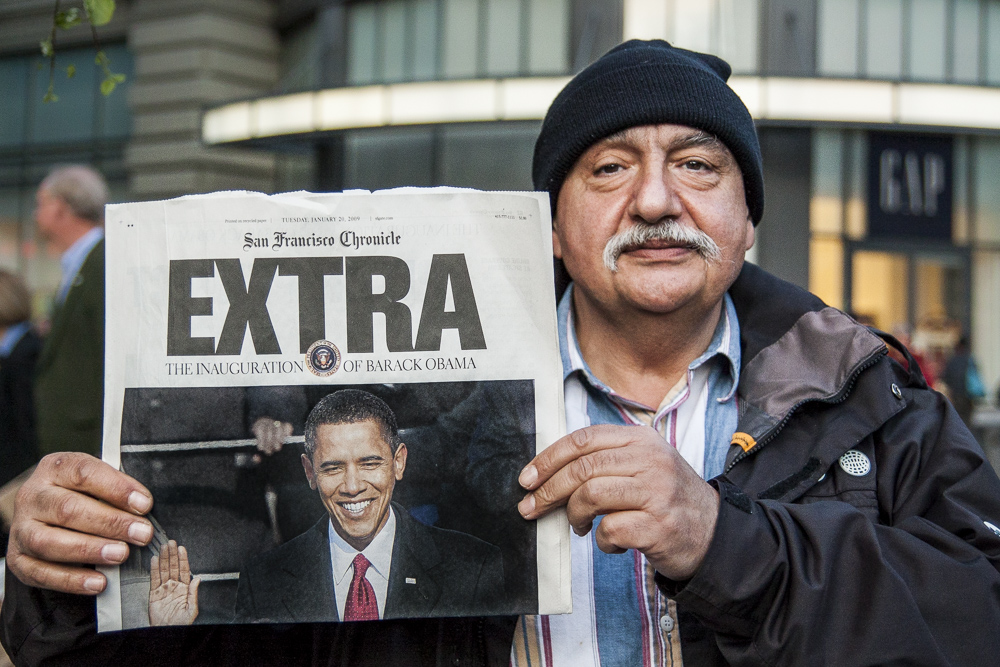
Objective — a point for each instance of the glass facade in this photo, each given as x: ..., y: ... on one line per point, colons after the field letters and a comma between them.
x: 953, y: 41
x: 727, y: 28
x: 484, y: 156
x: 421, y: 40
x: 83, y: 126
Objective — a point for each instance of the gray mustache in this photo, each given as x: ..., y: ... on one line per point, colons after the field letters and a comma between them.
x: 673, y: 232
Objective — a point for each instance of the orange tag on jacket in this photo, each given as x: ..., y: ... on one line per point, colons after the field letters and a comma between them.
x: 743, y: 440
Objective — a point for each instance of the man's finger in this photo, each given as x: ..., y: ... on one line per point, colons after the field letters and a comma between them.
x: 175, y: 561
x: 604, y: 495
x: 185, y: 565
x: 622, y: 531
x: 563, y: 483
x: 58, y: 545
x: 570, y: 447
x: 84, y: 473
x: 65, y: 578
x: 164, y: 565
x: 192, y: 597
x: 154, y: 573
x: 58, y: 506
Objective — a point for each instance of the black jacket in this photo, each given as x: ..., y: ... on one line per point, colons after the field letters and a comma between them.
x: 18, y: 446
x: 69, y: 379
x: 810, y: 565
x: 434, y: 572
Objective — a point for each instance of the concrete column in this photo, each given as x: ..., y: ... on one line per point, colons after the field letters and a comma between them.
x: 189, y: 55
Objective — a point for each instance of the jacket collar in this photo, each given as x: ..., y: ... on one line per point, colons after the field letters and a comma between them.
x: 798, y: 350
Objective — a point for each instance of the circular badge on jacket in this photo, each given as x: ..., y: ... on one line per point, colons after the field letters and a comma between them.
x: 855, y: 463
x: 323, y: 358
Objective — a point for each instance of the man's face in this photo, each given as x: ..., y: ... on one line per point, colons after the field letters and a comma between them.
x: 355, y: 471
x: 668, y: 174
x: 48, y: 210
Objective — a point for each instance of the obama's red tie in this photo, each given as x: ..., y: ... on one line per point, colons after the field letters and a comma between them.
x: 361, y: 604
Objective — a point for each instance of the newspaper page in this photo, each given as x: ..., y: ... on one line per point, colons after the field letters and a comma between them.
x: 305, y: 380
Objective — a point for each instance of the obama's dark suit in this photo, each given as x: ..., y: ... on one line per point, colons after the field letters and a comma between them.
x: 434, y: 572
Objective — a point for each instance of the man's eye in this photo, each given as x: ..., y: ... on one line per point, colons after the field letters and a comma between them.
x: 695, y: 165
x: 612, y: 168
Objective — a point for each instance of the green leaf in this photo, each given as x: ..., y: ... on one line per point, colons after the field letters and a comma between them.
x: 101, y: 59
x: 46, y: 45
x: 69, y: 18
x: 50, y: 97
x: 70, y: 71
x: 99, y: 11
x: 109, y: 83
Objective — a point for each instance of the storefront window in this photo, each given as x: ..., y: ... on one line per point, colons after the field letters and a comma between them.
x: 879, y: 288
x: 460, y: 46
x: 986, y: 194
x: 826, y: 269
x: 826, y: 210
x: 548, y: 49
x: 425, y: 51
x: 487, y: 156
x: 883, y: 43
x: 927, y: 40
x: 837, y: 37
x: 986, y: 315
x: 418, y: 40
x: 503, y: 23
x: 921, y: 40
x: 299, y: 60
x: 965, y: 42
x: 993, y: 43
x: 393, y: 41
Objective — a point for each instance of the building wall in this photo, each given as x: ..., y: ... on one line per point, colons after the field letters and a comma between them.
x: 183, y: 56
x: 190, y: 54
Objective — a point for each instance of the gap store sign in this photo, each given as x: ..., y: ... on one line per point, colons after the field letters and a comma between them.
x: 910, y: 182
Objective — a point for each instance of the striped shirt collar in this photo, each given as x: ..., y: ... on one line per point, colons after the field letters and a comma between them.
x: 724, y: 345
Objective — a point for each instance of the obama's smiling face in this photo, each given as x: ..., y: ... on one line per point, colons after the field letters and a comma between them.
x: 355, y: 471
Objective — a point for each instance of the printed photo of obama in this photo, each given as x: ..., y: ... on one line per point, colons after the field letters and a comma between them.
x: 401, y: 521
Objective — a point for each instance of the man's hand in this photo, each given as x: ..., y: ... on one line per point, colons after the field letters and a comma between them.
x: 173, y: 595
x: 652, y: 499
x: 73, y: 510
x: 271, y: 434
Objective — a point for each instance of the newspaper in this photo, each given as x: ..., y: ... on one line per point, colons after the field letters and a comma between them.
x: 300, y: 377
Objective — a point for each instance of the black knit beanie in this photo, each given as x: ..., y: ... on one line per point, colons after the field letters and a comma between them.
x: 647, y: 83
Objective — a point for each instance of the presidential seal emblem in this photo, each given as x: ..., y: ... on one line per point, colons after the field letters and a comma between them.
x: 323, y: 358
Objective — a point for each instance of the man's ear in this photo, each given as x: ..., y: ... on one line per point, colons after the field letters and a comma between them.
x: 307, y: 465
x: 556, y: 246
x: 399, y: 461
x: 751, y: 233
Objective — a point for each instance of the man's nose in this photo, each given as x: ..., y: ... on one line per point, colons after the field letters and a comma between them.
x: 353, y: 484
x: 655, y: 196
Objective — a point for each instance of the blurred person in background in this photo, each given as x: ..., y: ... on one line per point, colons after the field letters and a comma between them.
x: 19, y: 349
x: 961, y: 375
x: 901, y: 331
x: 69, y: 385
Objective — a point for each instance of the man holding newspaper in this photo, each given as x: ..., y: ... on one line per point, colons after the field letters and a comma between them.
x: 849, y: 513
